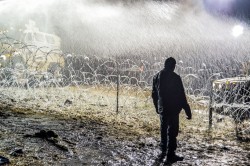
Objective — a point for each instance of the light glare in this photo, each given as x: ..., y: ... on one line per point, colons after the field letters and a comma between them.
x: 237, y: 30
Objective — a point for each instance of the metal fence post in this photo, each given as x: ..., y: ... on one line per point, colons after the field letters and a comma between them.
x: 117, y: 87
x: 117, y: 93
x: 210, y: 116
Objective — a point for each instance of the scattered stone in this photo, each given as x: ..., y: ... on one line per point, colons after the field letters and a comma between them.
x: 99, y: 138
x: 224, y: 148
x: 103, y: 162
x: 150, y: 142
x: 13, y: 100
x: 142, y: 144
x: 220, y: 120
x: 81, y: 126
x: 248, y: 155
x: 4, y: 114
x: 210, y: 148
x: 17, y: 152
x: 4, y: 160
x: 68, y: 102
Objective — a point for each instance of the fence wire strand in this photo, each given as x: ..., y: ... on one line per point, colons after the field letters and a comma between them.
x: 45, y: 79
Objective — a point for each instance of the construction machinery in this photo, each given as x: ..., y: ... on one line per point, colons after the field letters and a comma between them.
x: 37, y: 55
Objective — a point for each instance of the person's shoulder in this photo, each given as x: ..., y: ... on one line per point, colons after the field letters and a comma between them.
x: 156, y: 75
x: 177, y: 76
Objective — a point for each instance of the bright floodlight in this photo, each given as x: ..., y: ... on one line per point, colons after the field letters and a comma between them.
x: 237, y: 30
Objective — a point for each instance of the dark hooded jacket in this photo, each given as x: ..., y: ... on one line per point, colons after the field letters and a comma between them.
x: 168, y: 94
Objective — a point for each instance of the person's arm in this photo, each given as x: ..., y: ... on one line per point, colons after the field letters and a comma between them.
x: 155, y: 94
x: 187, y: 109
x: 185, y: 104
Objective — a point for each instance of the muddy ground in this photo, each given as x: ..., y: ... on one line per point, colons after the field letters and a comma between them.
x: 87, y: 142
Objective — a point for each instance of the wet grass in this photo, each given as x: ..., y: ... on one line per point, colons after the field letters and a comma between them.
x: 136, y: 118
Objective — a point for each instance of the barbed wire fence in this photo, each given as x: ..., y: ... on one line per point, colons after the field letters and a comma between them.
x: 43, y: 79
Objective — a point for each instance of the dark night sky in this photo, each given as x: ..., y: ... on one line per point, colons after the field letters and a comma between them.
x: 235, y: 8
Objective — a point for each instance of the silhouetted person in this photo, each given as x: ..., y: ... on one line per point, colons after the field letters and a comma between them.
x: 169, y: 99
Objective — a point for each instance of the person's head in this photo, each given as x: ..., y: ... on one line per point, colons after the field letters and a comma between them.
x: 170, y: 64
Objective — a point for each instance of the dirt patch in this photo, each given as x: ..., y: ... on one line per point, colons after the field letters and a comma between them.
x: 90, y: 142
x: 87, y: 130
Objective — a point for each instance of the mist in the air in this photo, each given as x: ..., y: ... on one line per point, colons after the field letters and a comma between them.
x: 107, y: 28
